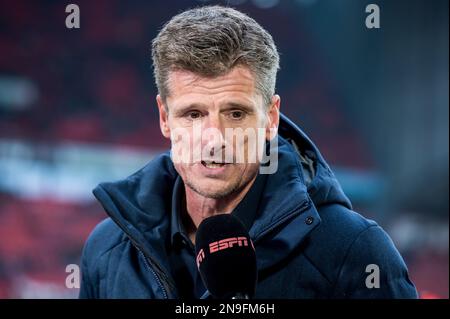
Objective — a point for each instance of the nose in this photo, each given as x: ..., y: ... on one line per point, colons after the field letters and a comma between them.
x: 212, y: 134
x: 212, y: 121
x: 216, y: 149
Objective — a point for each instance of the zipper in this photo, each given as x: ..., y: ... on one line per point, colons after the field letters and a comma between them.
x: 163, y: 283
x: 150, y: 264
x: 147, y: 265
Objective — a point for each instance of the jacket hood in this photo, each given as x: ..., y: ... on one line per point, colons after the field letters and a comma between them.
x: 141, y: 203
x: 322, y: 185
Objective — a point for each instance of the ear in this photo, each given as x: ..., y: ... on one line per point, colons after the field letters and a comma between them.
x: 163, y: 117
x: 273, y: 118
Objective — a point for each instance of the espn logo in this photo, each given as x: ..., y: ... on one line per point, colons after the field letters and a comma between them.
x: 227, y: 243
x: 221, y: 245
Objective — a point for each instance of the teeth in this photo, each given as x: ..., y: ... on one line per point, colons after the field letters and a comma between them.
x: 212, y: 165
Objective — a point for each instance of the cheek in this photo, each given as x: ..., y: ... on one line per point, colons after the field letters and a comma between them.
x: 184, y: 170
x: 181, y: 145
x: 180, y: 152
x: 249, y: 148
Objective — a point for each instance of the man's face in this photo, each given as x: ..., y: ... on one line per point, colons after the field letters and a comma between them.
x: 198, y: 106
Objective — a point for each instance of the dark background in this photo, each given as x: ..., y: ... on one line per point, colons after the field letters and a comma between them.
x: 77, y: 107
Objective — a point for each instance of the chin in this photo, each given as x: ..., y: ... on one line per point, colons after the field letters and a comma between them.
x: 213, y: 190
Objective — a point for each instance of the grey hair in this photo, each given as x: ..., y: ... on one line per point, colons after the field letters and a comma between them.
x: 210, y: 41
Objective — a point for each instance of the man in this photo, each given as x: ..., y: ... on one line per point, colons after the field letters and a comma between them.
x: 215, y: 69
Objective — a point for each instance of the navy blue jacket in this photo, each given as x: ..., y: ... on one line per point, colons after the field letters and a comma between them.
x: 308, y: 241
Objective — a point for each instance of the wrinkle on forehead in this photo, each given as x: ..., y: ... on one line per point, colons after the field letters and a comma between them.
x: 239, y: 80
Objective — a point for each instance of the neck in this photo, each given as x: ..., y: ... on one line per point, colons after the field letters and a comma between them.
x: 199, y: 207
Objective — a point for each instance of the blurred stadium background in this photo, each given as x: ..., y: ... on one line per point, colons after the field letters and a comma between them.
x: 77, y: 107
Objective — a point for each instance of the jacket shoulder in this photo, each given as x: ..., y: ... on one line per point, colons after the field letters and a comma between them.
x: 343, y: 247
x: 338, y: 228
x: 105, y: 236
x: 373, y: 268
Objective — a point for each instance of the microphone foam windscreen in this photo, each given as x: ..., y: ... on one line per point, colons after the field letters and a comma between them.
x: 225, y: 257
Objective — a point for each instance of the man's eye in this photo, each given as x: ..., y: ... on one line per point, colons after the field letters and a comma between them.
x: 193, y: 115
x: 237, y: 115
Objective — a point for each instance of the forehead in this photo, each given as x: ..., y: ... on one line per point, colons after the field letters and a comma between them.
x: 239, y: 83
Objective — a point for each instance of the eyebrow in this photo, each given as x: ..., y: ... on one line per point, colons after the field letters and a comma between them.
x: 248, y: 108
x: 185, y: 108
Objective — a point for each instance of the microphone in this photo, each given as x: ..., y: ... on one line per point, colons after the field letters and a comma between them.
x: 226, y: 257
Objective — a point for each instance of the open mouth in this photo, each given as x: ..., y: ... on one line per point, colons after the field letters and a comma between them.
x: 213, y: 164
